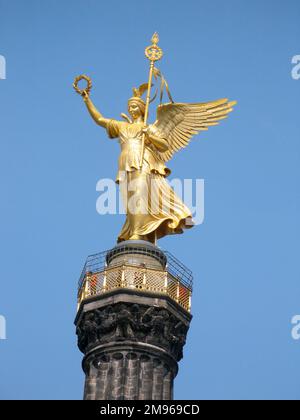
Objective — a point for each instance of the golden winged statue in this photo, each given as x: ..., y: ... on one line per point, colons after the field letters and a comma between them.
x: 153, y: 209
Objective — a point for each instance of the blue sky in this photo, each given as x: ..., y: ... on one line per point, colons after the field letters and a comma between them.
x: 245, y: 257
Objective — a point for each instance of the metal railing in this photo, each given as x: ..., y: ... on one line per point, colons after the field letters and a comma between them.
x: 174, y: 281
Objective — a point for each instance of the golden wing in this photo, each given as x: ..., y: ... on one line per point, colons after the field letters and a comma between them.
x: 179, y: 122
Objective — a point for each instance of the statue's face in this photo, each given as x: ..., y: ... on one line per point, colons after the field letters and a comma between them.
x: 134, y: 110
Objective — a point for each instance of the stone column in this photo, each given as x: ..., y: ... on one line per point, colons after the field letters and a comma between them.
x: 132, y: 341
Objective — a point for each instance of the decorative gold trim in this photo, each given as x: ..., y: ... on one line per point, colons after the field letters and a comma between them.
x: 138, y: 279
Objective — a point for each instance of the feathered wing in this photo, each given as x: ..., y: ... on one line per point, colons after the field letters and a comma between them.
x: 179, y: 122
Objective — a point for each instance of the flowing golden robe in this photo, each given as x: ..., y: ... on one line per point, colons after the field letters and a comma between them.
x: 152, y: 207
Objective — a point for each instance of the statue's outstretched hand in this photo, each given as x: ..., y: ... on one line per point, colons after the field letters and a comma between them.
x: 84, y: 95
x: 145, y: 131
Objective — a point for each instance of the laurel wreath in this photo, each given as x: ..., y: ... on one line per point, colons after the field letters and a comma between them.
x: 88, y: 86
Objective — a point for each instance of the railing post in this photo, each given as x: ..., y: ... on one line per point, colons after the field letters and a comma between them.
x: 104, y: 281
x: 123, y: 277
x: 166, y: 283
x: 86, y: 286
x: 144, y: 278
x: 177, y: 291
x: 190, y: 301
x: 79, y: 300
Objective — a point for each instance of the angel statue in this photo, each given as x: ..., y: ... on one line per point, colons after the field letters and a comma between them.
x: 153, y: 209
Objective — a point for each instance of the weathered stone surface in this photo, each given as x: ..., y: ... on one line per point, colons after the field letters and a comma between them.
x: 132, y: 343
x: 132, y: 340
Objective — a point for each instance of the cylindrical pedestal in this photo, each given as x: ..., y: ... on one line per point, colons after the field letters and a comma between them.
x: 132, y: 339
x: 129, y: 374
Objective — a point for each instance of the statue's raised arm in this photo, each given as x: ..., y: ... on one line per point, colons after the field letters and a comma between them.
x: 85, y: 93
x: 95, y: 114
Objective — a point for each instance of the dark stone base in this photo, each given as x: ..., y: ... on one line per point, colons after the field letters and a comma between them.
x: 132, y: 343
x: 132, y: 340
x: 129, y: 371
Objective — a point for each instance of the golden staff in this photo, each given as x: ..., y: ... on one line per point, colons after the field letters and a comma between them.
x: 153, y: 53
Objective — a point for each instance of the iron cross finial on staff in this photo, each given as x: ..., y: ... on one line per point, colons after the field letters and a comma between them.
x: 153, y: 53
